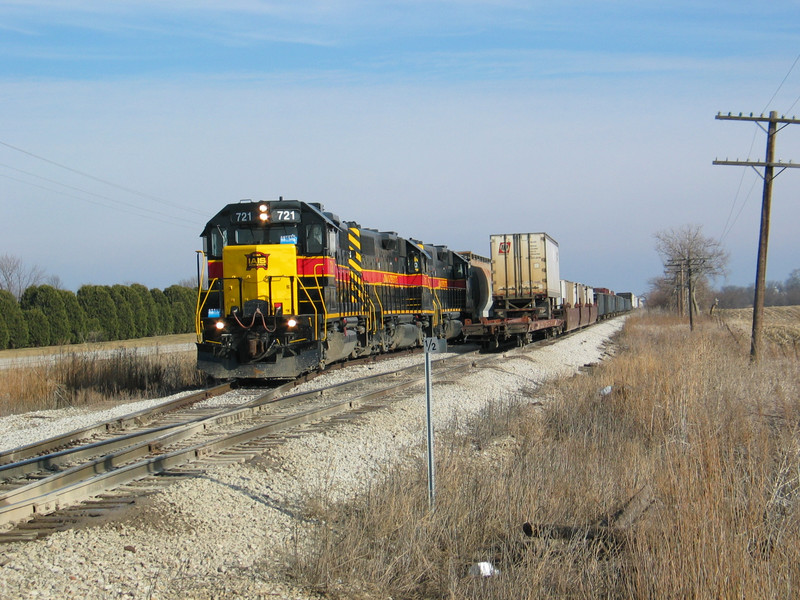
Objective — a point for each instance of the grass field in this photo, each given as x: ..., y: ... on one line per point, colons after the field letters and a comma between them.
x: 781, y: 326
x: 97, y: 373
x: 682, y: 482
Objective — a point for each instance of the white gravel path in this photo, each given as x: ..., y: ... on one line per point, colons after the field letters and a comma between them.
x: 222, y: 535
x: 27, y: 428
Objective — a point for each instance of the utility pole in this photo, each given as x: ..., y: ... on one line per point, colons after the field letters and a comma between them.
x: 676, y: 269
x: 769, y: 175
x: 686, y: 266
x: 691, y: 298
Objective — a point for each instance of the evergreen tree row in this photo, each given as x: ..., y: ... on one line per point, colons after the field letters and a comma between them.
x: 46, y: 316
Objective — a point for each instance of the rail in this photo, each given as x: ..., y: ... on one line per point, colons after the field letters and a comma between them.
x: 124, y: 465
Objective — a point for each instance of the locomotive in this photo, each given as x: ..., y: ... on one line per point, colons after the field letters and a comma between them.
x: 287, y: 287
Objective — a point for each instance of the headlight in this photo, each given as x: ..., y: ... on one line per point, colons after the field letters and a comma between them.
x: 220, y: 324
x: 291, y: 323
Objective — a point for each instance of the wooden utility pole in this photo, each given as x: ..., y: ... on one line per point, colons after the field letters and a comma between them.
x: 769, y: 165
x: 675, y: 268
x: 691, y: 292
x: 682, y: 267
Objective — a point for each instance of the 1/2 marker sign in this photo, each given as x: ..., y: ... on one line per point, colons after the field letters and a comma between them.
x: 435, y: 345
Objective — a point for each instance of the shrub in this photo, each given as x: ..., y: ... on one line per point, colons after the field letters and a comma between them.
x: 77, y: 316
x: 51, y: 303
x: 149, y: 321
x: 14, y: 319
x: 101, y: 312
x: 183, y: 301
x: 3, y: 333
x: 126, y: 313
x: 166, y: 320
x: 38, y: 327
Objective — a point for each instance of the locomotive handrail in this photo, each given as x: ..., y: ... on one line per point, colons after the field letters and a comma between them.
x: 321, y: 301
x: 437, y: 312
x: 314, y: 307
x: 198, y: 325
x: 380, y: 304
x: 199, y: 305
x: 373, y: 311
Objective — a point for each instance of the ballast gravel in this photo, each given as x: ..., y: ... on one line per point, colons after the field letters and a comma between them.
x: 223, y: 534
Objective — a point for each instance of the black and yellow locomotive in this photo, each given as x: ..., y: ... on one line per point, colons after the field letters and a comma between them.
x: 286, y: 288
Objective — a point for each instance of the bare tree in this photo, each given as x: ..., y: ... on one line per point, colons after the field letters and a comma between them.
x: 15, y: 277
x: 54, y: 281
x: 691, y: 260
x: 661, y: 293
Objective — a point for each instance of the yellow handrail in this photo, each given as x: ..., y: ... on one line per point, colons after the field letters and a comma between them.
x: 200, y: 305
x: 372, y: 304
x: 437, y: 312
x: 198, y: 326
x: 321, y: 300
x: 314, y: 306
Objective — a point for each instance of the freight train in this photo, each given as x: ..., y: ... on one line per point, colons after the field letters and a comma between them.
x: 529, y: 298
x: 286, y: 287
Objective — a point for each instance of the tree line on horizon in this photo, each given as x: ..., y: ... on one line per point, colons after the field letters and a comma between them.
x: 35, y: 311
x: 46, y: 316
x: 776, y: 293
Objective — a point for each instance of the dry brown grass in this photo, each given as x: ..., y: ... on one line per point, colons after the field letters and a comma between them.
x: 709, y: 440
x: 89, y: 379
x: 781, y: 327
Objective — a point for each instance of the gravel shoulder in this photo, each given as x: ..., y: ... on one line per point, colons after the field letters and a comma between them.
x: 223, y: 534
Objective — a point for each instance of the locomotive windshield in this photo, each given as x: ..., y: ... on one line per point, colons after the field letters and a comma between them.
x: 273, y: 234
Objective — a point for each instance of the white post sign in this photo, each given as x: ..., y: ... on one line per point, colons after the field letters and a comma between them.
x: 435, y: 345
x: 432, y: 346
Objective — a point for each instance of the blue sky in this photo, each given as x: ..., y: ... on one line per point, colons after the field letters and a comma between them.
x: 124, y: 126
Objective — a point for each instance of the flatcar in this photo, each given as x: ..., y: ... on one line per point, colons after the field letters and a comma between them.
x: 286, y: 287
x: 530, y: 300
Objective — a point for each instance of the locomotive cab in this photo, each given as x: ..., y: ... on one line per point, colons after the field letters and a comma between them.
x: 261, y: 304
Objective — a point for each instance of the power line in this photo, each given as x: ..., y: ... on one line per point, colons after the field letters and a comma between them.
x: 763, y: 110
x: 728, y: 227
x: 101, y: 180
x: 140, y: 209
x: 729, y: 224
x: 126, y: 210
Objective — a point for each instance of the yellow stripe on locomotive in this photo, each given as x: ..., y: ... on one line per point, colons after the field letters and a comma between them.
x: 267, y: 273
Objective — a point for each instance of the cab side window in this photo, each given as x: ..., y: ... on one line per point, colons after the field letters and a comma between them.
x: 314, y: 238
x: 218, y: 241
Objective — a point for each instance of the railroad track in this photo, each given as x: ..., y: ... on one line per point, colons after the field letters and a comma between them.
x: 64, y: 488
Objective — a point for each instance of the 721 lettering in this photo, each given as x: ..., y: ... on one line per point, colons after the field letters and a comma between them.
x: 286, y: 215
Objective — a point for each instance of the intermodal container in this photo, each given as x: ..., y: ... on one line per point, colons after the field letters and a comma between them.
x: 525, y: 265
